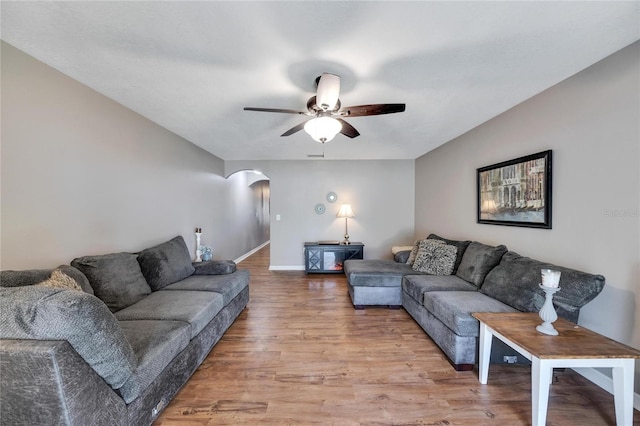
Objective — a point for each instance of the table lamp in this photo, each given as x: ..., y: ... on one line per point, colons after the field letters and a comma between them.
x: 346, y: 212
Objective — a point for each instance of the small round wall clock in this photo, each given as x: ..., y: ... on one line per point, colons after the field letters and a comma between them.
x: 332, y: 197
x: 320, y: 208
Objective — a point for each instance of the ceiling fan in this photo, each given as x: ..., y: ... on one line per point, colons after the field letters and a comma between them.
x: 326, y: 112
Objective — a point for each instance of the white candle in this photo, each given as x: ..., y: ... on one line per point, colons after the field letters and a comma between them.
x: 550, y: 278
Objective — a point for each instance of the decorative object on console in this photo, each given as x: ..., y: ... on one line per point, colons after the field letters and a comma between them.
x: 207, y: 253
x: 198, y: 253
x: 550, y: 282
x: 516, y: 192
x: 346, y: 212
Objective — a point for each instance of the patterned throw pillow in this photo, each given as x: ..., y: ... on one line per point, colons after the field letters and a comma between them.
x: 60, y: 280
x: 423, y: 252
x: 435, y: 258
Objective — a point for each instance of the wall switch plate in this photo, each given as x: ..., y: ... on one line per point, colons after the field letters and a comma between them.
x: 277, y: 217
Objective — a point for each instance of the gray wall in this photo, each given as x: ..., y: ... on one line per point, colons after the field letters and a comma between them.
x: 591, y: 122
x: 83, y: 175
x: 381, y: 194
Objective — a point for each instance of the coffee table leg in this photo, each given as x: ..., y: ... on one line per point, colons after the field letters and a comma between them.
x: 484, y: 353
x: 623, y: 391
x: 540, y: 382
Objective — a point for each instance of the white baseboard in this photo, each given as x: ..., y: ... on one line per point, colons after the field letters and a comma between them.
x: 244, y: 256
x: 605, y: 382
x: 286, y: 268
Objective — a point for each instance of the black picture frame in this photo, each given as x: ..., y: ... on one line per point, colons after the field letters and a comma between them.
x: 516, y: 192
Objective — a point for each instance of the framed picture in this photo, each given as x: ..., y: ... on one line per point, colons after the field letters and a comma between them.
x: 516, y: 192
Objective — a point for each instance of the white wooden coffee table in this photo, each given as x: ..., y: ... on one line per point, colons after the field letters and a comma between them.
x: 575, y: 346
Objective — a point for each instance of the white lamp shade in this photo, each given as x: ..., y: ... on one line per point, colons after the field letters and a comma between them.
x: 323, y: 129
x: 345, y: 211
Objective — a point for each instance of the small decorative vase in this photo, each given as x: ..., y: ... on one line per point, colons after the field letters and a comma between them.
x: 548, y: 312
x: 207, y: 257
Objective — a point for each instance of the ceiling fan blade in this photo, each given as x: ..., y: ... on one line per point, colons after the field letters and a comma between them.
x: 347, y: 129
x: 294, y: 129
x: 374, y: 109
x: 328, y: 91
x: 285, y: 111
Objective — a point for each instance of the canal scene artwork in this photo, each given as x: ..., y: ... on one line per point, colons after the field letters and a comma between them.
x: 516, y: 192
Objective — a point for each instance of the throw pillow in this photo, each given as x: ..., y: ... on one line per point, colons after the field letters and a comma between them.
x: 397, y: 249
x: 61, y: 281
x: 166, y: 263
x: 414, y: 252
x: 402, y: 256
x: 116, y: 278
x: 435, y: 258
x: 478, y: 260
x: 461, y: 246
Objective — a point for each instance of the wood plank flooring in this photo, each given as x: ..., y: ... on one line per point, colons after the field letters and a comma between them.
x: 300, y: 354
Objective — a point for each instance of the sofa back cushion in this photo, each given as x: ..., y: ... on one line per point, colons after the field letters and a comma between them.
x: 478, y: 260
x: 44, y: 313
x: 166, y: 263
x: 34, y: 276
x: 515, y: 282
x: 461, y: 247
x: 116, y: 278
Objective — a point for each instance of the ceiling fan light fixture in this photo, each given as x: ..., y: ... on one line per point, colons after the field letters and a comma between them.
x: 323, y: 129
x: 328, y: 91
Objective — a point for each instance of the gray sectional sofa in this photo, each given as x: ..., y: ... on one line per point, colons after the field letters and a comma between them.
x: 484, y: 279
x: 110, y: 339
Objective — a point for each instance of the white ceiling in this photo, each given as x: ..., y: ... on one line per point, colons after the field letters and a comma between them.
x: 192, y: 66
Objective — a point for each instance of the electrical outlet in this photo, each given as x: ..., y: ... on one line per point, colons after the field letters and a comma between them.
x: 510, y: 359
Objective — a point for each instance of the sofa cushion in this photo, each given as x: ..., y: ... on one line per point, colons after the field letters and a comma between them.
x: 42, y: 313
x: 454, y: 309
x: 116, y: 278
x: 416, y: 285
x: 155, y: 344
x: 515, y: 282
x: 460, y: 245
x: 229, y: 286
x: 194, y: 307
x: 478, y: 260
x: 435, y: 257
x: 214, y: 267
x: 33, y: 276
x: 166, y: 263
x: 376, y: 273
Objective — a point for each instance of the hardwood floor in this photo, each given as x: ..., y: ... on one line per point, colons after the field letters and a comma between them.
x: 300, y: 354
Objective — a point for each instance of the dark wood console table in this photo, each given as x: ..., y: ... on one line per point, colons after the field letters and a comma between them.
x: 328, y: 257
